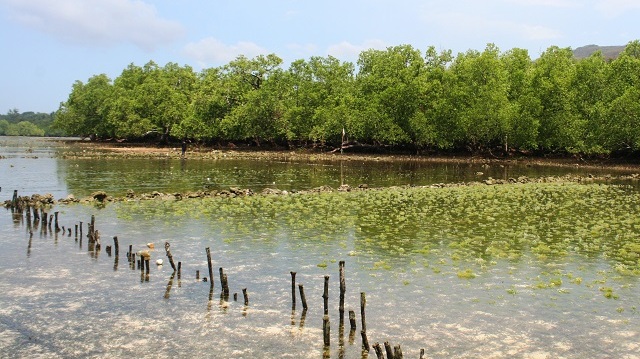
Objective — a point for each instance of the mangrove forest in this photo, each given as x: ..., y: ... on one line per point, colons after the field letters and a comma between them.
x: 401, y: 98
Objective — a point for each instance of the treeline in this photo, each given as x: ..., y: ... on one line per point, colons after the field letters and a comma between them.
x: 398, y: 97
x: 15, y: 123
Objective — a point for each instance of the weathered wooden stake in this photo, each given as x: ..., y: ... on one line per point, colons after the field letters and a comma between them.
x: 116, y: 246
x: 246, y: 296
x: 293, y: 290
x: 166, y: 248
x: 221, y: 271
x: 363, y: 303
x: 343, y: 288
x: 303, y: 298
x: 56, y: 216
x: 325, y: 296
x: 352, y: 319
x: 179, y: 269
x: 225, y: 287
x: 210, y: 266
x: 365, y: 341
x: 326, y: 330
x: 397, y: 352
x: 387, y: 348
x: 421, y: 353
x: 378, y: 349
x: 197, y: 275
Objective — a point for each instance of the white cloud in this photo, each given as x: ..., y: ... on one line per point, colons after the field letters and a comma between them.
x: 211, y: 51
x: 97, y: 22
x: 614, y: 8
x: 346, y: 50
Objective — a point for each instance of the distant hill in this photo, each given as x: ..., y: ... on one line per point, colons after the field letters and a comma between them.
x: 609, y: 52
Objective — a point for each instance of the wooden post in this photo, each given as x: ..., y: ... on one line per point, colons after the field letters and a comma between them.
x: 343, y: 288
x: 293, y: 290
x: 326, y: 330
x: 225, y: 287
x: 115, y: 245
x: 397, y: 352
x: 421, y: 353
x: 387, y: 348
x: 325, y: 296
x: 210, y: 266
x: 56, y: 225
x: 221, y: 271
x: 365, y: 341
x: 14, y: 200
x: 166, y: 248
x: 197, y: 275
x: 179, y: 270
x: 246, y: 296
x: 302, y: 297
x: 352, y: 319
x: 378, y: 350
x: 363, y: 303
x: 81, y: 231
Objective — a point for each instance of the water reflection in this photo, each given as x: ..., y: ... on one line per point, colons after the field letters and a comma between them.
x: 541, y: 274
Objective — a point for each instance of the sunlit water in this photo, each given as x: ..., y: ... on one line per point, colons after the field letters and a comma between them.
x: 58, y: 299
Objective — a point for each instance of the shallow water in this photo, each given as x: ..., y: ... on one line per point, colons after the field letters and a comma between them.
x: 58, y: 299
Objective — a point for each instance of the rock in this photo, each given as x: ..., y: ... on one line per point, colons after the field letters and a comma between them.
x: 344, y: 188
x: 99, y: 195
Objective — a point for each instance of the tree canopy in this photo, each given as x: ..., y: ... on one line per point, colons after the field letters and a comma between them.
x: 401, y: 96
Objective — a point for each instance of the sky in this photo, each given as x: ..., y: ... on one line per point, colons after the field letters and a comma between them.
x: 47, y: 45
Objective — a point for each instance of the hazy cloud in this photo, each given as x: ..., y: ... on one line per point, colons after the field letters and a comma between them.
x: 211, y: 51
x: 97, y: 22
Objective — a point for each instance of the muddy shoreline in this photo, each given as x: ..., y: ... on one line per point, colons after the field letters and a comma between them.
x: 196, y: 152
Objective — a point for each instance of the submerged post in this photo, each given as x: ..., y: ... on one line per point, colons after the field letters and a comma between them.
x: 293, y: 290
x: 326, y: 330
x: 210, y: 266
x: 115, y: 245
x: 352, y: 319
x: 246, y: 296
x: 363, y: 303
x: 302, y: 297
x: 325, y: 296
x: 166, y: 248
x: 343, y: 288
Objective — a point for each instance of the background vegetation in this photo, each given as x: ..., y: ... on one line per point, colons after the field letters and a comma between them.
x: 399, y: 97
x: 15, y: 123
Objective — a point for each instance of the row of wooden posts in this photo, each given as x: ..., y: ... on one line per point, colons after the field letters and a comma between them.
x: 93, y: 235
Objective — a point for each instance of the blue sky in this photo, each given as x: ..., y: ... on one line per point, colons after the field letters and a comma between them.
x: 48, y: 44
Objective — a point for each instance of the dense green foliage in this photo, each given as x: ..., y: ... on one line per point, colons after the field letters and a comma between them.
x: 15, y: 123
x: 395, y: 97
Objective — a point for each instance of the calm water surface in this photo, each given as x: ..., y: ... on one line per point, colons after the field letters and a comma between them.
x: 59, y: 299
